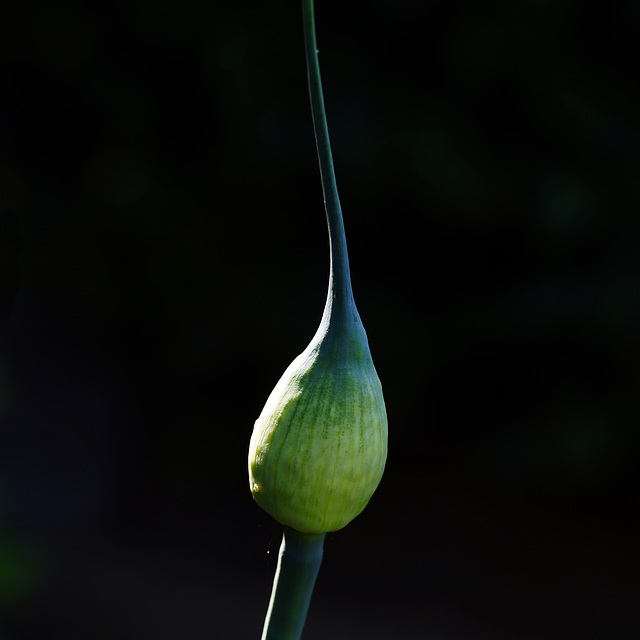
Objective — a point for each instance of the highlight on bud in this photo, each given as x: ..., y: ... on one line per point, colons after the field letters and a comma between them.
x: 319, y: 447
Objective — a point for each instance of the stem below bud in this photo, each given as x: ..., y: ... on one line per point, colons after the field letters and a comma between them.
x: 298, y: 565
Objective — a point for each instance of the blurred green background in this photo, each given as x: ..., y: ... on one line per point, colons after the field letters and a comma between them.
x: 161, y: 198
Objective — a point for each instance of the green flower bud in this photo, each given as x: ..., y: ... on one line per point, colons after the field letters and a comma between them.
x: 319, y: 447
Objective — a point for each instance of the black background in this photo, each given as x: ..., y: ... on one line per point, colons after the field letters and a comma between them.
x: 161, y: 197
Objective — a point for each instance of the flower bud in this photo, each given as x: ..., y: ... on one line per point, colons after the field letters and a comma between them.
x: 319, y: 447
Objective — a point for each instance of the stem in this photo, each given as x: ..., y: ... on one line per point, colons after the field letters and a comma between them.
x: 298, y: 565
x: 340, y: 298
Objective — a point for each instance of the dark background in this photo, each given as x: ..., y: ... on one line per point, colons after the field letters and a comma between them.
x: 161, y: 197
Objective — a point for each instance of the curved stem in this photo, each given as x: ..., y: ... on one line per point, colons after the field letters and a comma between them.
x: 340, y: 296
x: 298, y: 565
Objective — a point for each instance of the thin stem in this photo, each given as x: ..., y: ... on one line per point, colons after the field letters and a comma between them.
x: 340, y: 293
x: 298, y: 565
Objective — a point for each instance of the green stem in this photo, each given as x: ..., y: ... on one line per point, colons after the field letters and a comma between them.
x: 298, y: 565
x: 340, y: 298
x: 301, y: 553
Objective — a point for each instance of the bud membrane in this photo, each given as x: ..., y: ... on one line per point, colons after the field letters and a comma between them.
x: 319, y: 447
